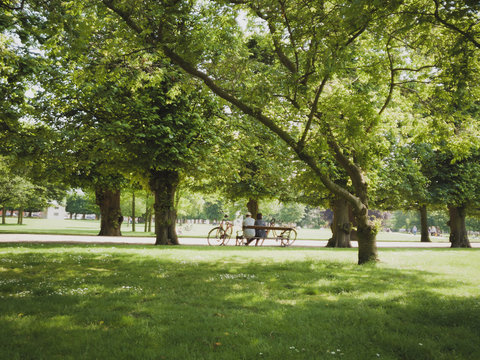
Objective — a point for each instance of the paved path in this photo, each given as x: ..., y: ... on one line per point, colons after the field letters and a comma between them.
x: 43, y: 238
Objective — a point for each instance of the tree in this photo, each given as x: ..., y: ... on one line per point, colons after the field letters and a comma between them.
x: 78, y: 203
x: 213, y: 210
x: 34, y: 143
x: 16, y: 65
x: 310, y: 191
x: 460, y: 17
x: 190, y: 204
x: 291, y: 213
x: 249, y: 165
x: 131, y: 201
x: 10, y: 187
x: 326, y: 91
x: 131, y: 112
x: 454, y: 110
x: 456, y: 185
x: 403, y: 184
x: 312, y: 218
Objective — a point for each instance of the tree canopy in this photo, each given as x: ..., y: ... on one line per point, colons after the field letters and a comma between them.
x: 347, y: 87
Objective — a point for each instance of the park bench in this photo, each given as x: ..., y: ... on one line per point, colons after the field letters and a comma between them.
x: 286, y: 235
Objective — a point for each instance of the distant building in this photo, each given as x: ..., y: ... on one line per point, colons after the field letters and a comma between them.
x: 56, y: 211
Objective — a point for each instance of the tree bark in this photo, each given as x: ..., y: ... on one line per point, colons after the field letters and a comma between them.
x: 366, y: 237
x: 4, y: 215
x: 458, y: 230
x: 110, y: 213
x: 367, y: 245
x: 424, y: 234
x: 341, y: 226
x: 252, y: 206
x: 353, y: 232
x: 145, y: 227
x: 133, y: 211
x: 150, y: 220
x: 164, y: 184
x: 148, y: 215
x: 20, y: 216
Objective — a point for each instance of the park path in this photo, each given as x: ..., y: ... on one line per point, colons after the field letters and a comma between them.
x: 105, y: 240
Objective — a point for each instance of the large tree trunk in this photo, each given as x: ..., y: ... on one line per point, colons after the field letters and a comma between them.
x: 20, y: 216
x: 110, y: 213
x: 164, y: 184
x: 424, y: 234
x: 353, y: 231
x: 367, y: 245
x: 366, y: 236
x: 341, y: 226
x: 458, y: 230
x: 4, y: 215
x: 252, y: 206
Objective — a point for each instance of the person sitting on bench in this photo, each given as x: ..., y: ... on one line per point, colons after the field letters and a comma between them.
x: 249, y: 234
x: 260, y: 233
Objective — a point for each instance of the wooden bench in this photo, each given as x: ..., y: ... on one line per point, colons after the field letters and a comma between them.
x: 286, y: 235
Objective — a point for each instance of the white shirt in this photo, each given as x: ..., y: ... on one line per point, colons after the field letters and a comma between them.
x: 248, y: 233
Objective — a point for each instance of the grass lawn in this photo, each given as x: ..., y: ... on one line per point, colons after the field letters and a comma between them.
x: 91, y: 227
x: 144, y: 302
x: 64, y: 227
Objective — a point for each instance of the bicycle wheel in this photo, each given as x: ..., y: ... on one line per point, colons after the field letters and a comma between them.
x: 287, y: 237
x: 227, y: 234
x: 216, y: 236
x: 229, y: 230
x: 272, y: 232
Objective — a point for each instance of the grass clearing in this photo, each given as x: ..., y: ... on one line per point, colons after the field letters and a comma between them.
x: 64, y: 227
x: 91, y: 227
x: 144, y: 302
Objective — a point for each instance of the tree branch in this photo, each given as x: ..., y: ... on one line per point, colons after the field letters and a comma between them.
x: 125, y: 17
x: 392, y: 79
x: 468, y: 36
x: 270, y: 124
x: 313, y: 111
x: 356, y: 34
x: 256, y: 113
x: 3, y: 4
x: 290, y: 33
x: 278, y: 49
x: 284, y: 60
x: 415, y: 70
x: 354, y: 172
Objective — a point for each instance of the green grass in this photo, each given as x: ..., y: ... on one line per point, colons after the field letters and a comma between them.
x: 64, y: 227
x: 144, y: 302
x: 91, y: 227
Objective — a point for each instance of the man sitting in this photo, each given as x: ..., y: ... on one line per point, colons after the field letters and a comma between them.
x: 249, y: 234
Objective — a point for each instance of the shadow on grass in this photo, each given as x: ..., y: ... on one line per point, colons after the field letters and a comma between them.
x: 100, y: 304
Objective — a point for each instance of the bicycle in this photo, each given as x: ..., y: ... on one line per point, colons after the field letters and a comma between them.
x: 286, y: 236
x: 221, y: 234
